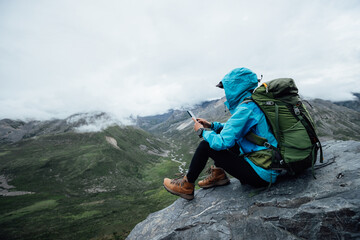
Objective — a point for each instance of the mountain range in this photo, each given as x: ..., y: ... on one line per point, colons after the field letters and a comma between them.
x: 333, y: 120
x: 90, y: 177
x: 352, y: 104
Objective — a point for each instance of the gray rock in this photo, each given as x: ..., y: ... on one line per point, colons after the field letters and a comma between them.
x: 295, y: 208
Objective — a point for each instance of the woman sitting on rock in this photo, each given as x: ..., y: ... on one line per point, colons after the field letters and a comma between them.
x: 221, y: 138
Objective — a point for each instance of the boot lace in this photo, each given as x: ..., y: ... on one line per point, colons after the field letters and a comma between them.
x: 210, y: 172
x: 179, y: 180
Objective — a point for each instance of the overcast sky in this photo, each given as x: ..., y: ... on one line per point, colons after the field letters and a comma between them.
x: 137, y: 57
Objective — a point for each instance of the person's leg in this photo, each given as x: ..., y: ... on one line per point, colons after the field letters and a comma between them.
x: 238, y: 167
x: 185, y: 187
x: 229, y: 161
x: 198, y: 161
x: 225, y: 159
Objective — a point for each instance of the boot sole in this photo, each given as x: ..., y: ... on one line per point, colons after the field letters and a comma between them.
x: 217, y: 184
x: 185, y: 196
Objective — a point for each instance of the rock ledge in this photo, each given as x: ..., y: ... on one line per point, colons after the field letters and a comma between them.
x: 294, y: 208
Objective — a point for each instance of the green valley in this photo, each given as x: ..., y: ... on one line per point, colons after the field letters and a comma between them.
x: 82, y: 185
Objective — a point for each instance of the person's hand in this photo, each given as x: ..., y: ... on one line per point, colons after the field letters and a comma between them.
x: 197, y: 125
x: 204, y: 122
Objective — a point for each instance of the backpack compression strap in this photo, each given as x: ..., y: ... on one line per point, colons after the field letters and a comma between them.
x: 256, y: 139
x: 260, y: 141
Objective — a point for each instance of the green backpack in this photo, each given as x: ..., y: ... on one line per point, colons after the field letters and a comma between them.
x: 291, y: 124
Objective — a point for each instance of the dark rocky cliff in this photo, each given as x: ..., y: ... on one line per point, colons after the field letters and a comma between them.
x: 295, y: 208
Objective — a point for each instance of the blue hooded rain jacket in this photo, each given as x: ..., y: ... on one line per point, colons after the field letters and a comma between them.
x: 239, y: 85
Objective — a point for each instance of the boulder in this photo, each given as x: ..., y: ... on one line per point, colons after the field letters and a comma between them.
x: 294, y: 208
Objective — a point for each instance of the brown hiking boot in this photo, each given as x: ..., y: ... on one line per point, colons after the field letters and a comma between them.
x: 180, y: 187
x: 217, y: 177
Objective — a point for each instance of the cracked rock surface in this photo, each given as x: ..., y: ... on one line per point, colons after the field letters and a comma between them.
x: 294, y: 208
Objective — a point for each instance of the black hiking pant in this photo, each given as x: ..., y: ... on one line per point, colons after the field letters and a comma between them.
x: 229, y: 160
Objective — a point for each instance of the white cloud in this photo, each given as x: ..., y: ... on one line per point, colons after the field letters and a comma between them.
x: 144, y: 57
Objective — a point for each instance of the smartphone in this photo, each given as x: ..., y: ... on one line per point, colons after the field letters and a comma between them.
x: 192, y: 115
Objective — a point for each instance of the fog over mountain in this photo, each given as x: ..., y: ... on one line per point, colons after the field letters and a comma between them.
x: 59, y: 58
x: 339, y: 120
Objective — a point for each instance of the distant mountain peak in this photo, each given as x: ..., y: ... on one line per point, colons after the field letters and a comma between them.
x: 357, y: 95
x: 352, y: 104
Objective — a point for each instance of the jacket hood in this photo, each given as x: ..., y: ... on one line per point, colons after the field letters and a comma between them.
x: 238, y: 85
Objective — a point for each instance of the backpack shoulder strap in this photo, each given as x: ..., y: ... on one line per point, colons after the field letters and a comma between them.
x: 246, y: 100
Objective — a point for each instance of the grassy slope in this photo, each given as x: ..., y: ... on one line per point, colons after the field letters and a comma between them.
x: 60, y: 168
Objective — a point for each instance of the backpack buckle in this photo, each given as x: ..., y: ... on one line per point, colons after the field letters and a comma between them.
x: 269, y: 103
x: 297, y: 110
x: 267, y: 145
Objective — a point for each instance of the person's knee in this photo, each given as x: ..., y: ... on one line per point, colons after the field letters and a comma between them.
x: 204, y: 145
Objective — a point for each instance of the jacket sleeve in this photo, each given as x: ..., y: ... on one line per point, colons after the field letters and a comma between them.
x: 234, y: 129
x: 217, y: 126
